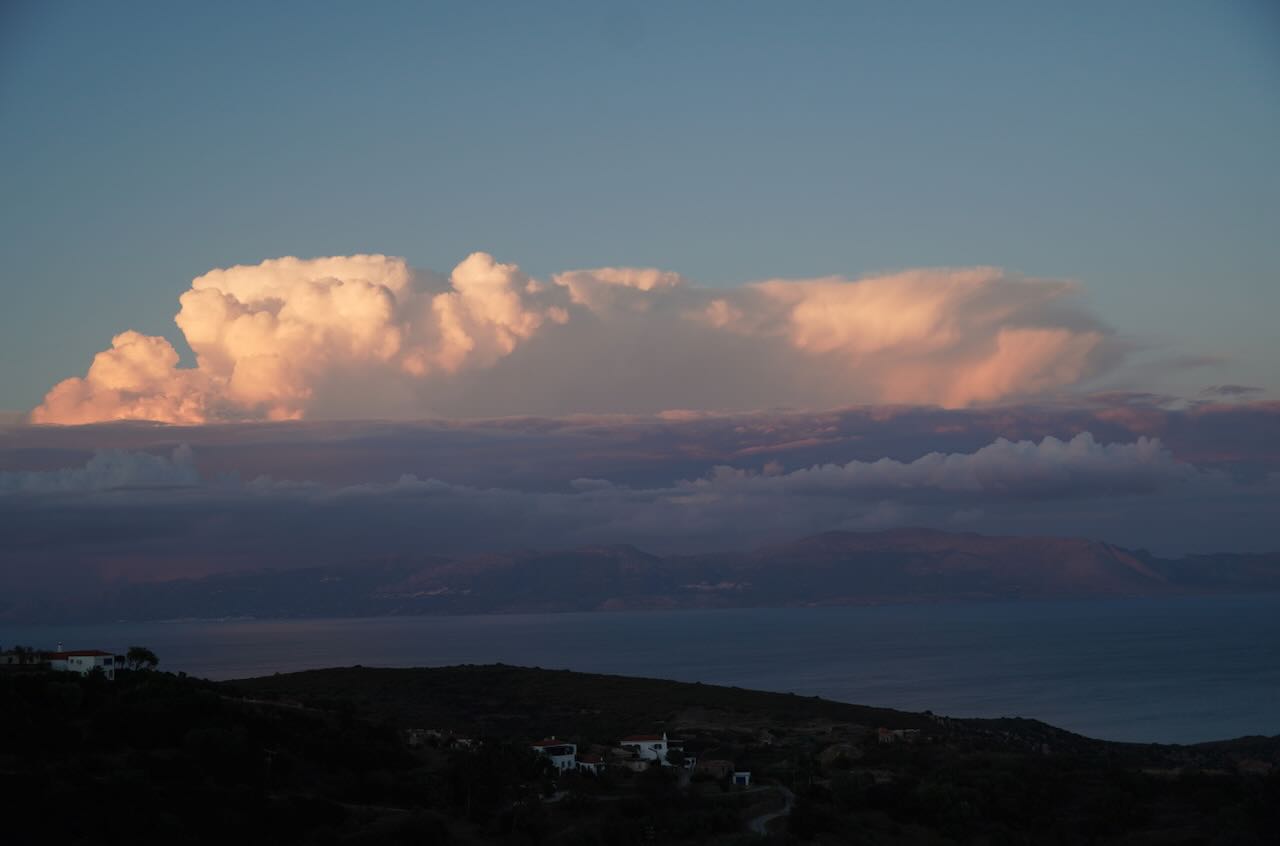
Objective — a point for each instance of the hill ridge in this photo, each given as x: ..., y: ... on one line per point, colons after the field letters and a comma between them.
x: 832, y: 568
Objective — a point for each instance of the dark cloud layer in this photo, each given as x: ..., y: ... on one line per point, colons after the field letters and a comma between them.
x: 1230, y: 391
x: 133, y: 500
x: 532, y: 453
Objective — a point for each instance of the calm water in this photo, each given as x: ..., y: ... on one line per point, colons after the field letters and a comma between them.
x: 1181, y: 670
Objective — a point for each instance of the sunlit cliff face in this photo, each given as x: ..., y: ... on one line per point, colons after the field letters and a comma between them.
x: 367, y: 336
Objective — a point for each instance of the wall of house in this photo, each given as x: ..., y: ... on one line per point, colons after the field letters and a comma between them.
x: 654, y: 751
x: 84, y: 664
x: 563, y: 762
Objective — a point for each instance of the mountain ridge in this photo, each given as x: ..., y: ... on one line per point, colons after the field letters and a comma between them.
x: 832, y: 568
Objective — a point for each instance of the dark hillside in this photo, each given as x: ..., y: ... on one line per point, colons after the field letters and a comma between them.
x: 321, y: 758
x: 520, y: 701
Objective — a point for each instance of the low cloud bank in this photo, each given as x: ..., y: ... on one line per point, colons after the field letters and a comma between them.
x: 1081, y: 467
x: 111, y: 469
x: 1136, y: 493
x: 130, y: 500
x: 728, y: 505
x: 369, y: 336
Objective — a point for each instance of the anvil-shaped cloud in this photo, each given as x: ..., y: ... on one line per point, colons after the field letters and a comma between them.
x: 369, y: 336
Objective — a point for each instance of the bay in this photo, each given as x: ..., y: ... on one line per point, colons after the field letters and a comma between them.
x: 1144, y: 670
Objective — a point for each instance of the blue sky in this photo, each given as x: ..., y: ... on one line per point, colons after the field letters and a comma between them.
x: 1129, y: 146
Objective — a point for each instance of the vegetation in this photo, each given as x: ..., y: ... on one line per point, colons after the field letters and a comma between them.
x: 141, y: 658
x: 24, y: 654
x: 520, y: 701
x: 323, y: 758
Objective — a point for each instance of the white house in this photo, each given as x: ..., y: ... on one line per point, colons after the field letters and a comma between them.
x: 649, y: 747
x: 84, y: 662
x: 593, y: 764
x: 563, y: 756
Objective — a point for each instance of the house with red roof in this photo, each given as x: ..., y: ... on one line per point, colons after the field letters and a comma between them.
x: 651, y: 747
x: 83, y: 661
x: 563, y: 755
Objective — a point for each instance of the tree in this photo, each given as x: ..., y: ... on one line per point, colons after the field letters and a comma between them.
x: 141, y: 658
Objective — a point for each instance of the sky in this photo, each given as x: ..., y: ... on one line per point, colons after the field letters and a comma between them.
x: 462, y: 276
x: 1128, y: 148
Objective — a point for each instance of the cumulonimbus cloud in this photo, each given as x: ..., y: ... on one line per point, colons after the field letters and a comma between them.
x: 367, y: 335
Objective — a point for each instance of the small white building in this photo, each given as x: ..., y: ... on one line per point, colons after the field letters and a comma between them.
x: 593, y: 764
x: 563, y: 756
x: 742, y: 778
x: 84, y: 662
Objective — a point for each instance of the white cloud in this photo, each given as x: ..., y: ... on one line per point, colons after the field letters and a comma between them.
x: 1023, y: 469
x: 368, y: 336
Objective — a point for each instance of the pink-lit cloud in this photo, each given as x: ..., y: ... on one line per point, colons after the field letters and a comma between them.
x: 369, y: 336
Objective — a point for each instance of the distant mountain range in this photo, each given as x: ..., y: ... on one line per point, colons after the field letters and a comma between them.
x: 835, y: 568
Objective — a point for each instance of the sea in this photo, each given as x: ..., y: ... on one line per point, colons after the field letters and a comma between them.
x: 1180, y: 670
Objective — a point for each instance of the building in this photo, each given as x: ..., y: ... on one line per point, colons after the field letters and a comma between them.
x: 563, y: 756
x: 593, y: 764
x: 717, y: 768
x: 651, y: 747
x: 742, y: 778
x: 84, y: 662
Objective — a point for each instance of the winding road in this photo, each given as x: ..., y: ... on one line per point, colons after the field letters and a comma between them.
x: 760, y: 824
